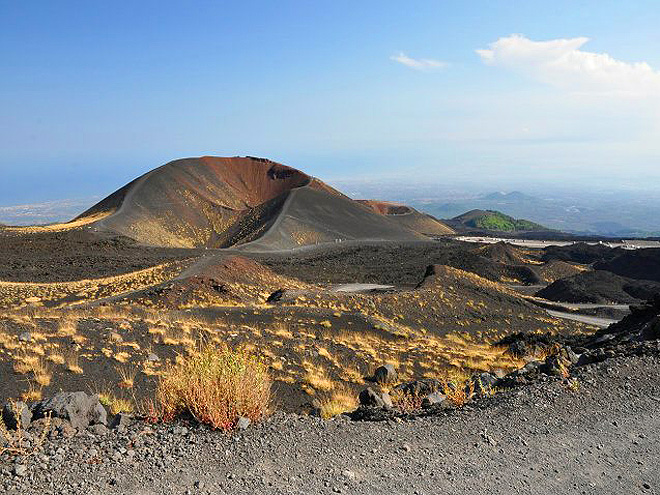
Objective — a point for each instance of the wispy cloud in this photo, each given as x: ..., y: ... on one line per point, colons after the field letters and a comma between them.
x: 562, y: 63
x: 418, y: 63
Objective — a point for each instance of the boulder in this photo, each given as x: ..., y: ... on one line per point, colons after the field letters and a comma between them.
x: 78, y: 408
x: 369, y: 398
x: 25, y: 337
x: 289, y: 296
x: 15, y: 413
x: 385, y: 374
x: 433, y: 399
x: 651, y: 330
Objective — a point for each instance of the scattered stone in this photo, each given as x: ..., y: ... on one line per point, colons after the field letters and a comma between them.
x: 485, y: 383
x: 14, y: 413
x: 66, y: 430
x: 387, y: 400
x: 99, y: 430
x: 25, y: 337
x: 420, y: 388
x: 348, y: 474
x: 433, y: 399
x: 385, y: 374
x: 20, y: 470
x: 243, y: 423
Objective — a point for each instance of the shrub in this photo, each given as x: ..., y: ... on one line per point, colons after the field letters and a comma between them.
x: 215, y: 385
x: 459, y: 389
x: 407, y: 402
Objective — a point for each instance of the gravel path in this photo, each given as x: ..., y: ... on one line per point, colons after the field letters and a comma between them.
x: 544, y: 438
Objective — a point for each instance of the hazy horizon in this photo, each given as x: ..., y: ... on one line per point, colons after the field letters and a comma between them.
x: 512, y: 96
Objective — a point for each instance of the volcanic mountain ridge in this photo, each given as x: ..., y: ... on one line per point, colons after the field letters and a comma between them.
x: 250, y: 202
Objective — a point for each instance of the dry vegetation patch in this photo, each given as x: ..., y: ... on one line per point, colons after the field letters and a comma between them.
x: 215, y: 385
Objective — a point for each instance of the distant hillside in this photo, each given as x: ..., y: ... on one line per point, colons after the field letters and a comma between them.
x: 495, y: 220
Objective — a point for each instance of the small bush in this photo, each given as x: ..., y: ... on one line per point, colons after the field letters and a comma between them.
x: 407, y: 402
x: 216, y: 386
x: 459, y: 388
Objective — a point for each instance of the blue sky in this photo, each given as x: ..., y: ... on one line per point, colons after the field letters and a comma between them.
x: 95, y: 93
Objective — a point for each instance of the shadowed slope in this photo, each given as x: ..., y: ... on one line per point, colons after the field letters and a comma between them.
x: 221, y: 202
x: 313, y: 217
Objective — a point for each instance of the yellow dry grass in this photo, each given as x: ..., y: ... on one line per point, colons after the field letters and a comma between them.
x: 59, y: 227
x: 339, y: 400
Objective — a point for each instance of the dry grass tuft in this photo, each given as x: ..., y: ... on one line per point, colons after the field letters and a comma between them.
x: 317, y: 377
x: 216, y: 385
x: 127, y: 376
x: 116, y: 404
x: 73, y: 363
x: 342, y: 399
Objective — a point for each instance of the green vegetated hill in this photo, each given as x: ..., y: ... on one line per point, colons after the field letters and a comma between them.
x: 495, y: 220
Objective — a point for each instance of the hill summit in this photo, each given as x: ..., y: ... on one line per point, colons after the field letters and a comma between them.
x: 253, y: 202
x: 495, y: 221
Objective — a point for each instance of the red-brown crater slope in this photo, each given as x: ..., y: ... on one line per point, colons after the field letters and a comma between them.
x: 409, y: 217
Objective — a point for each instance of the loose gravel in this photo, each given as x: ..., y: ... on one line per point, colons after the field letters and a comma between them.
x: 601, y: 436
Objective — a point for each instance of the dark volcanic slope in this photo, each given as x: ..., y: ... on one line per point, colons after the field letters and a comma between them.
x: 220, y: 202
x: 643, y: 264
x: 600, y: 287
x: 581, y: 252
x: 310, y: 216
x: 76, y: 255
x: 395, y: 263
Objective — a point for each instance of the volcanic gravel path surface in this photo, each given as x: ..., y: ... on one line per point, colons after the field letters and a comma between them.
x: 544, y: 438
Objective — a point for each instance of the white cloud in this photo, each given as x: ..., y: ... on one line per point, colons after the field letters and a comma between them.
x: 561, y: 63
x: 418, y: 63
